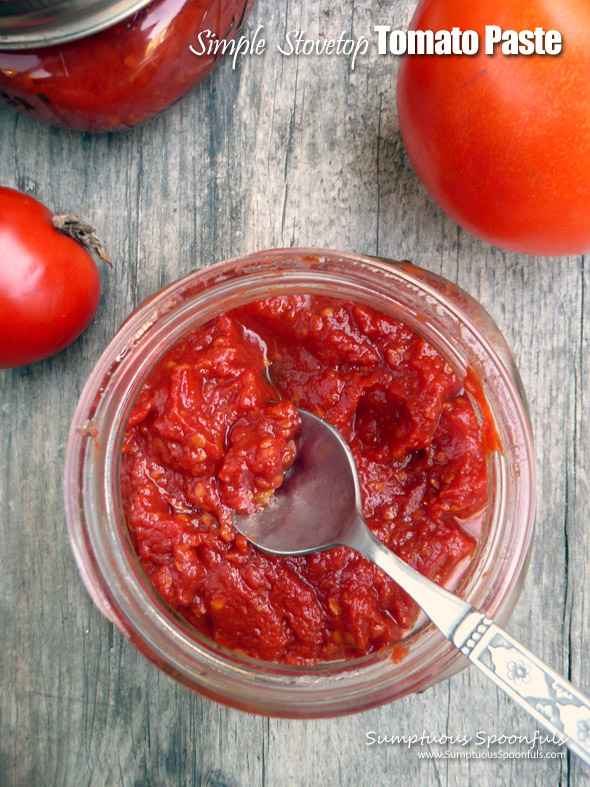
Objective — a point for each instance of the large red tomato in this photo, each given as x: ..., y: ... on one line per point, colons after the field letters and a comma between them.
x: 502, y: 142
x: 49, y: 283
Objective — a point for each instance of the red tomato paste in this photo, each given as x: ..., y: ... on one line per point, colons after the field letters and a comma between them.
x: 213, y: 431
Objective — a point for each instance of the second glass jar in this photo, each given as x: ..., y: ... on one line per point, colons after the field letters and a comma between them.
x: 122, y: 75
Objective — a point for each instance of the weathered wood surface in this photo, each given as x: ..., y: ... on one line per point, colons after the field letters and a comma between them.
x: 279, y: 152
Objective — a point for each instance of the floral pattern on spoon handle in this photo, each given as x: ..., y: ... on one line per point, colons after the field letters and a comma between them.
x: 551, y: 699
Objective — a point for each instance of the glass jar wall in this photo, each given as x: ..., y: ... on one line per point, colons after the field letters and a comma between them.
x: 452, y: 322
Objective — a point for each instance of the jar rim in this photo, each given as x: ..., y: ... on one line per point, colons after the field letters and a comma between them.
x: 323, y: 690
x: 28, y: 24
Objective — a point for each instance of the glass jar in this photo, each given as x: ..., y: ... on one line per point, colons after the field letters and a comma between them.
x: 453, y: 323
x: 111, y: 64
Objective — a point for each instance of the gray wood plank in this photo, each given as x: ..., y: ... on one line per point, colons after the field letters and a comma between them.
x: 278, y: 152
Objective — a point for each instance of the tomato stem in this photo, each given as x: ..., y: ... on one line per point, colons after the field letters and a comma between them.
x: 82, y: 232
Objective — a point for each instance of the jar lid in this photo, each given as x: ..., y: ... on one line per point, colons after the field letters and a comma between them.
x: 25, y: 24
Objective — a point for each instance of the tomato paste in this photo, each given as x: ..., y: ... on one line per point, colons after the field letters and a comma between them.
x: 213, y: 431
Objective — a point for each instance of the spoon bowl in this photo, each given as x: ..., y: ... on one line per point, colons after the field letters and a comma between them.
x: 316, y: 506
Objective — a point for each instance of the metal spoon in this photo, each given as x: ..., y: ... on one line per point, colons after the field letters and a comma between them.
x: 319, y: 506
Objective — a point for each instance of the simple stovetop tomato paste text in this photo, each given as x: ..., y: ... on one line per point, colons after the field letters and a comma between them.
x: 209, y: 434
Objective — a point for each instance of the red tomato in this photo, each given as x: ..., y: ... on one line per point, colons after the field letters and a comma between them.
x: 502, y: 142
x: 49, y: 283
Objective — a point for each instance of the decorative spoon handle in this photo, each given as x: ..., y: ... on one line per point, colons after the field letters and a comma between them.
x: 548, y: 697
x: 538, y: 689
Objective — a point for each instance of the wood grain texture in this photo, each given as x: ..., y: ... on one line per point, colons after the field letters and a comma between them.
x: 279, y: 152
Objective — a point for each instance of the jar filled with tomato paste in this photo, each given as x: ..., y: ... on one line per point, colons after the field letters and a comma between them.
x: 441, y: 316
x: 106, y: 65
